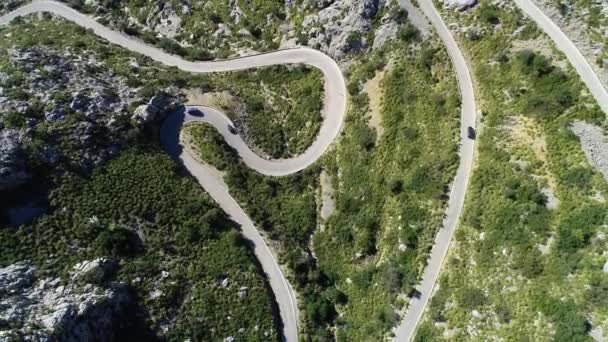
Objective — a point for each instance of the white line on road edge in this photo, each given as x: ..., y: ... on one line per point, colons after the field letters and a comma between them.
x: 407, y: 328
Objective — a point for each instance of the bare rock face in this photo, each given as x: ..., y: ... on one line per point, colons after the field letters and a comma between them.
x: 459, y: 4
x: 58, y: 85
x: 48, y: 310
x: 94, y: 271
x: 15, y: 277
x: 165, y: 19
x: 156, y: 107
x: 341, y: 27
x: 384, y: 34
x: 593, y: 142
x: 12, y: 159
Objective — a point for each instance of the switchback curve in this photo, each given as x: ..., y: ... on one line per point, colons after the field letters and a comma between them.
x: 333, y: 112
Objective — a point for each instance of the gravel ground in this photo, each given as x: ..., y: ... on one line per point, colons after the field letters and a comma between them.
x: 594, y: 143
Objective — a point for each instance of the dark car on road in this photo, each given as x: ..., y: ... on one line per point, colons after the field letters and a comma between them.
x: 232, y: 130
x: 471, y: 133
x: 195, y: 112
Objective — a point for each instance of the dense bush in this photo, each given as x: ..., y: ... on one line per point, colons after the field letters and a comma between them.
x: 139, y: 209
x: 553, y: 91
x: 489, y: 14
x: 472, y: 298
x: 282, y: 116
x: 576, y: 229
x: 409, y: 33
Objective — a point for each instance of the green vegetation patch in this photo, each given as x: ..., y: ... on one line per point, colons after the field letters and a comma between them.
x: 391, y: 191
x: 282, y: 107
x: 140, y: 210
x: 210, y: 145
x: 391, y: 194
x: 526, y: 263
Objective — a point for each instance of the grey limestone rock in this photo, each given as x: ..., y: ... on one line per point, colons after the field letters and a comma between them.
x: 459, y: 4
x: 48, y: 309
x: 12, y: 159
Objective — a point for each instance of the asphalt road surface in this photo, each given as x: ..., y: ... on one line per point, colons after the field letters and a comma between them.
x: 407, y: 328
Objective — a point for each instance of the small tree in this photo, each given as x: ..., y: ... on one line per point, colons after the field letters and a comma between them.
x: 395, y: 185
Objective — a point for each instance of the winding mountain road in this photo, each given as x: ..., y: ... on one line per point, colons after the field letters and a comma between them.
x: 565, y: 45
x: 407, y: 328
x: 334, y: 109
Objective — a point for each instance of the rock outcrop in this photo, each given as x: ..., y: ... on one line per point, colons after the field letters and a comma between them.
x: 46, y: 309
x: 79, y: 102
x: 341, y: 26
x: 165, y: 19
x: 384, y: 34
x: 94, y: 271
x: 9, y: 5
x: 459, y: 4
x: 55, y: 86
x: 12, y: 159
x: 156, y: 108
x: 593, y: 142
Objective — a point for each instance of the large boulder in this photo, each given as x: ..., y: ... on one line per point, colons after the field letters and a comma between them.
x: 55, y: 114
x: 12, y: 160
x: 165, y: 18
x: 157, y: 106
x: 384, y: 34
x: 94, y: 271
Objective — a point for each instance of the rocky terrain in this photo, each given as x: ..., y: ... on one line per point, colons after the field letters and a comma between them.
x: 459, y: 4
x: 223, y: 28
x: 9, y: 5
x: 594, y: 143
x: 64, y: 108
x: 582, y: 24
x: 12, y: 159
x: 342, y: 26
x: 41, y: 309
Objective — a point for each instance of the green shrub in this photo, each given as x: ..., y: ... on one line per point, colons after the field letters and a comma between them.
x: 489, y: 14
x: 409, y: 33
x: 471, y: 298
x: 395, y: 185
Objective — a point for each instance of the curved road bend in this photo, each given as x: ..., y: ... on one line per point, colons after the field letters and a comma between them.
x: 334, y: 104
x: 564, y: 44
x: 334, y: 109
x: 407, y: 328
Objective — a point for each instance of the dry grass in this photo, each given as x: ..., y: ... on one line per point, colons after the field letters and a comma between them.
x: 222, y: 100
x: 526, y: 133
x: 542, y: 46
x: 373, y: 89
